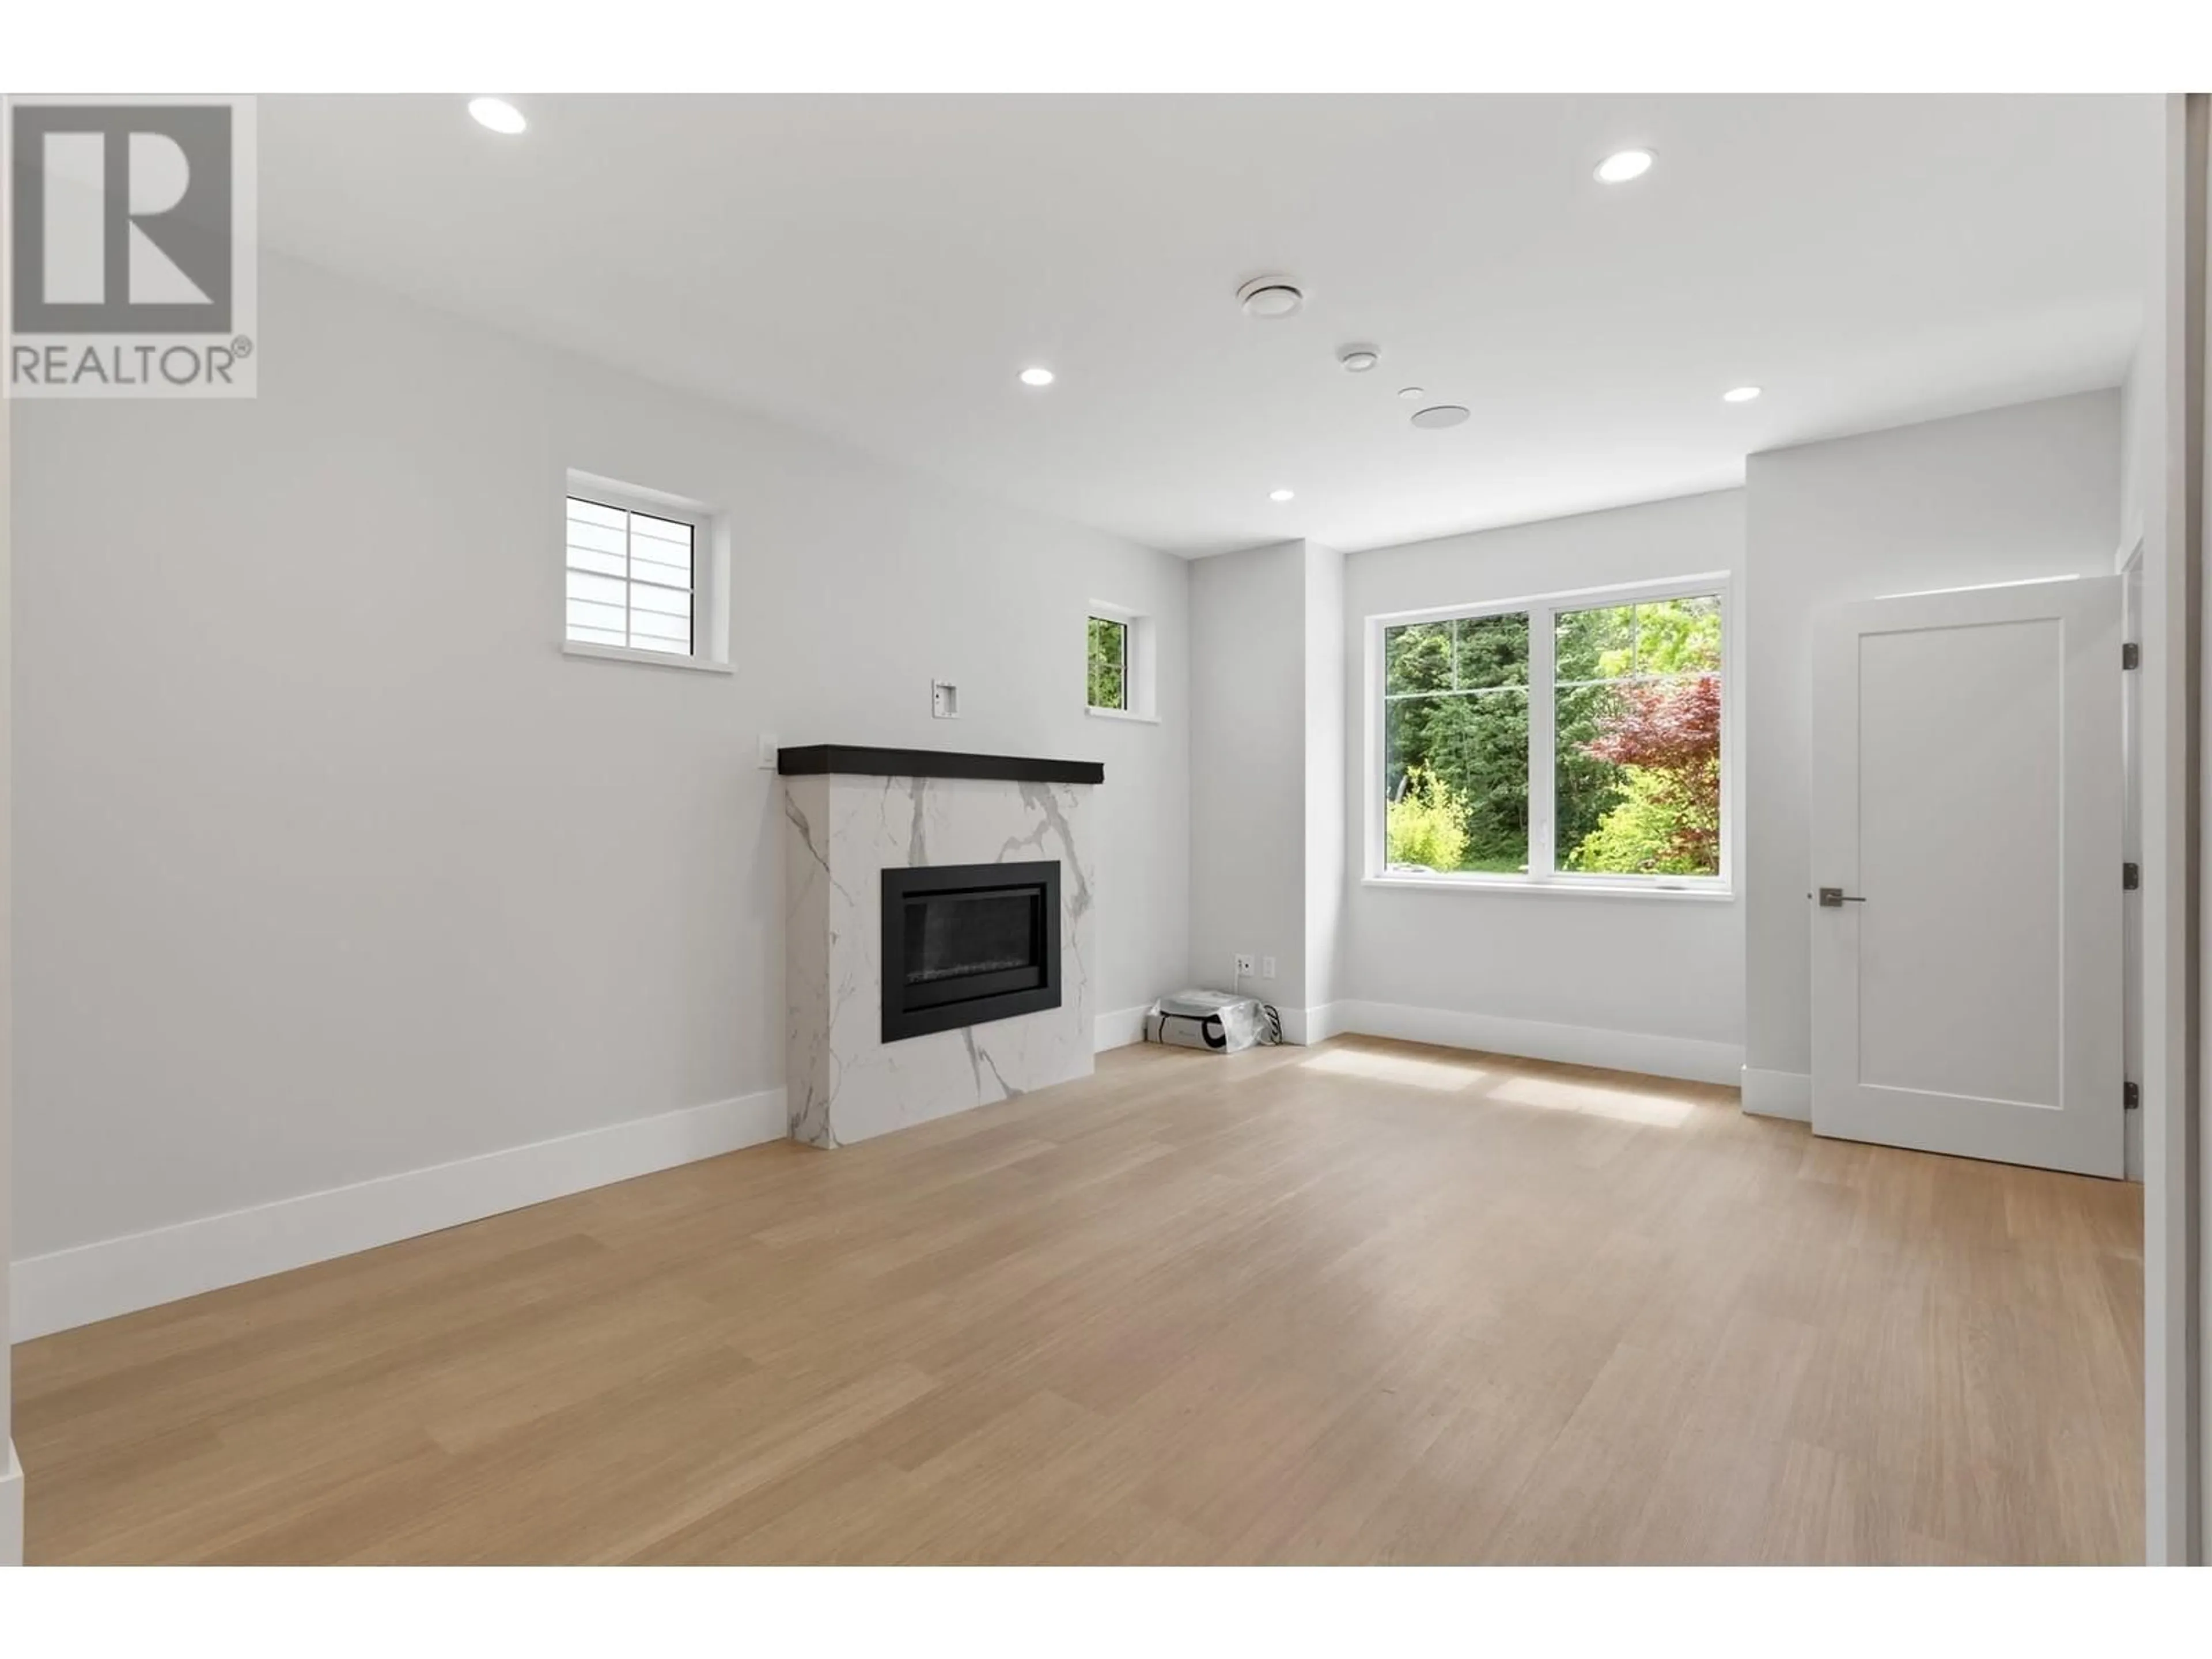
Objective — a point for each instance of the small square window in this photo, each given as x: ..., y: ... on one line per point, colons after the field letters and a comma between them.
x: 629, y: 578
x: 1120, y: 653
x: 638, y: 576
x: 1110, y: 663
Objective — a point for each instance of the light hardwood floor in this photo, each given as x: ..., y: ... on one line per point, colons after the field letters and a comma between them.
x: 1363, y: 1302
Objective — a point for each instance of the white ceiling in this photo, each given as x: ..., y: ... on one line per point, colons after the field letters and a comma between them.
x: 879, y: 269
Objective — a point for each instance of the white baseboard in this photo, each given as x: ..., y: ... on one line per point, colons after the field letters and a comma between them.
x: 1117, y: 1029
x: 1689, y: 1058
x: 1778, y: 1094
x: 11, y: 1507
x: 113, y: 1276
x: 1305, y: 1026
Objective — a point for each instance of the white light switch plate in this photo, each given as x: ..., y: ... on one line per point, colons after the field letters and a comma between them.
x: 768, y: 747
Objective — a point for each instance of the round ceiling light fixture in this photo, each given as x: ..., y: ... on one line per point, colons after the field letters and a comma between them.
x: 1741, y: 394
x: 1622, y: 165
x: 497, y: 115
x: 1412, y: 393
x: 1440, y: 414
x: 1281, y: 494
x: 1036, y: 377
x: 1359, y: 359
x: 1270, y: 297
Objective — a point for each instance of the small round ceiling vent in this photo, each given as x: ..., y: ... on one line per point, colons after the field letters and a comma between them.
x: 1359, y: 359
x: 1440, y: 414
x: 1269, y: 297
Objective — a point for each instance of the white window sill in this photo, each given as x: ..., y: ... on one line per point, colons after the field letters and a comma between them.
x: 652, y: 658
x: 1124, y: 714
x: 1703, y: 893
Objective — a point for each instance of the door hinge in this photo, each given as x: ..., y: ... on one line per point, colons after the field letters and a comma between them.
x: 2131, y: 1096
x: 2130, y: 655
x: 2130, y: 876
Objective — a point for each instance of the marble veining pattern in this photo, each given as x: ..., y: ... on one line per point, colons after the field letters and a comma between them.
x: 840, y: 832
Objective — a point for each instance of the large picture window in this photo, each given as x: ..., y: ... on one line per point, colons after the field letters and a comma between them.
x: 1573, y: 739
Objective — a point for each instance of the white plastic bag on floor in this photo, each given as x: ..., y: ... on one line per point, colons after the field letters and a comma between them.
x: 1219, y: 1021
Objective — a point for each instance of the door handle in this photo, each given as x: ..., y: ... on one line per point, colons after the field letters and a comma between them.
x: 1834, y: 898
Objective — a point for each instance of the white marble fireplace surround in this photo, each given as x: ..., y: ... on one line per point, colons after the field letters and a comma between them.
x: 843, y: 829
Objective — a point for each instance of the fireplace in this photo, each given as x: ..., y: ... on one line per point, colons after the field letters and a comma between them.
x: 964, y: 944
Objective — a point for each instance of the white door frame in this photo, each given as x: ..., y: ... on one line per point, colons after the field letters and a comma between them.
x: 11, y: 1471
x: 2185, y: 510
x: 2176, y: 1321
x: 2127, y: 566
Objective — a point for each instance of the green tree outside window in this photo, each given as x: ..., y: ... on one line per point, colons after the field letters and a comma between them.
x: 1110, y: 660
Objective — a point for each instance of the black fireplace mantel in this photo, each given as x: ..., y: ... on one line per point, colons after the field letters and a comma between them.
x: 855, y: 759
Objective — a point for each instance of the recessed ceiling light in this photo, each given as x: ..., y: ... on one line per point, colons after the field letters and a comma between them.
x: 1281, y: 494
x: 1270, y: 297
x: 1410, y: 393
x: 1036, y: 377
x: 1624, y: 165
x: 1359, y: 359
x: 1441, y: 415
x: 1743, y: 394
x: 497, y: 115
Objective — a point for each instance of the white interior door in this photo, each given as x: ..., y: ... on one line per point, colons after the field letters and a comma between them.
x: 1967, y: 807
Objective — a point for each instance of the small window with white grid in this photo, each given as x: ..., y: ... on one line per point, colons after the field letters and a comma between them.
x: 630, y: 578
x: 640, y: 577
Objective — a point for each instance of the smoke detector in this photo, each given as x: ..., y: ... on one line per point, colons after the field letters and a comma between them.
x: 1270, y: 297
x: 1359, y: 359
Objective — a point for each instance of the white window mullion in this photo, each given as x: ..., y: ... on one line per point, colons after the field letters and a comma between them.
x: 1542, y: 769
x: 630, y: 575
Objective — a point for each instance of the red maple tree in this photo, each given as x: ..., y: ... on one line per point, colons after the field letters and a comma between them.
x: 1671, y: 729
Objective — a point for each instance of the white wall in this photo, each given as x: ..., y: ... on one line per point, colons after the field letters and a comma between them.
x: 1247, y: 787
x: 1602, y: 973
x: 2032, y: 491
x: 1267, y: 733
x: 1327, y: 874
x: 332, y: 866
x: 2142, y: 434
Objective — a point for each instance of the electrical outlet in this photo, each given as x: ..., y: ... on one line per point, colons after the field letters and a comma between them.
x: 1244, y: 963
x: 945, y: 700
x: 768, y: 754
x: 1266, y: 967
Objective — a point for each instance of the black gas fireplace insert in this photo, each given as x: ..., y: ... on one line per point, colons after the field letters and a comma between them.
x: 968, y: 943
